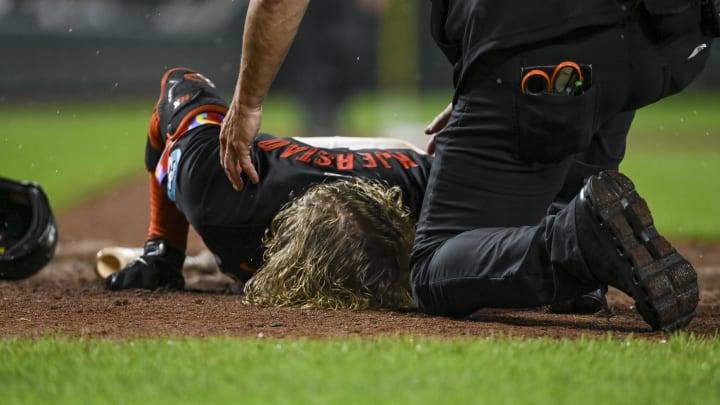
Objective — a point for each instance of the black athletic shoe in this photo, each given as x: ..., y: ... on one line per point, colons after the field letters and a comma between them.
x: 623, y: 249
x: 590, y: 303
x: 184, y: 92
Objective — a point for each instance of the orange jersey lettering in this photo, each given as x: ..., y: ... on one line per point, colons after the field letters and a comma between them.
x: 345, y: 161
x: 405, y: 160
x: 323, y: 158
x: 307, y: 156
x: 272, y: 144
x: 382, y: 157
x: 292, y: 150
x: 368, y: 159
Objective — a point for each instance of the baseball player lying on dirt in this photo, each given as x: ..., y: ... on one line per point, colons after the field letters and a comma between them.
x: 188, y: 187
x: 315, y: 255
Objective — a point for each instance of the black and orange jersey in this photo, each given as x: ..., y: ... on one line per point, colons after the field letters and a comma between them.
x: 231, y: 223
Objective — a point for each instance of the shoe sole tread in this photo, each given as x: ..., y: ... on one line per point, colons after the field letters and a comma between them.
x: 662, y: 282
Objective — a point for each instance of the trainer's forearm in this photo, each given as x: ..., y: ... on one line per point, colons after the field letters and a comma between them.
x: 270, y: 28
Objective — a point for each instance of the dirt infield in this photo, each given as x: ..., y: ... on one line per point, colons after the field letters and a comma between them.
x: 67, y: 298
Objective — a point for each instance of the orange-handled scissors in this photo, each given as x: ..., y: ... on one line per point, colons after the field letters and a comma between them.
x: 566, y: 78
x: 535, y: 81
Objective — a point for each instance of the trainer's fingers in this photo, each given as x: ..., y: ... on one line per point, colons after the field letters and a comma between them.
x: 440, y: 121
x: 223, y: 147
x: 248, y: 168
x: 232, y: 169
x: 430, y: 147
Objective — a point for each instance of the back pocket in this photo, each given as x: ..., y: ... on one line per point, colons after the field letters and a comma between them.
x: 553, y: 126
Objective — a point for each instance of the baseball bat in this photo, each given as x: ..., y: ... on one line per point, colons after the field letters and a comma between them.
x: 111, y: 259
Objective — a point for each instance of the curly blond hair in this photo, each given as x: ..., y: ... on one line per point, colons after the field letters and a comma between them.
x: 341, y: 245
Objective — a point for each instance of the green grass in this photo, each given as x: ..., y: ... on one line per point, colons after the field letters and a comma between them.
x: 674, y: 159
x: 681, y: 370
x: 73, y: 150
x: 76, y: 151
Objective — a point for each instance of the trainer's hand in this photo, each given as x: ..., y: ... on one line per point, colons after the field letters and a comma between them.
x: 436, y: 125
x: 237, y: 133
x: 160, y: 266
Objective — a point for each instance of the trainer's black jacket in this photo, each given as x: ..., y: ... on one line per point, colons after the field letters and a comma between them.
x: 232, y: 223
x: 482, y: 26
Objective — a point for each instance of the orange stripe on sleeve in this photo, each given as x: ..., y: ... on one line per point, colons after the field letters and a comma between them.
x: 165, y: 219
x: 154, y: 134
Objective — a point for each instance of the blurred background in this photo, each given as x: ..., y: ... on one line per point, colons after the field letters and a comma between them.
x: 98, y: 50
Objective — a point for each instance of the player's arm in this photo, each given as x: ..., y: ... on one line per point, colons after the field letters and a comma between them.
x: 166, y: 221
x: 160, y: 265
x: 270, y: 28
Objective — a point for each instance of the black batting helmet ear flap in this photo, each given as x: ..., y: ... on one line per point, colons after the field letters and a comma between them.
x: 28, y: 233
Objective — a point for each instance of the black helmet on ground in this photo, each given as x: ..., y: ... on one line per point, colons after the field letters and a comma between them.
x: 28, y: 233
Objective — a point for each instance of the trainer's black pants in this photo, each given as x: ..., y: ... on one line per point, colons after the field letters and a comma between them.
x: 496, y: 229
